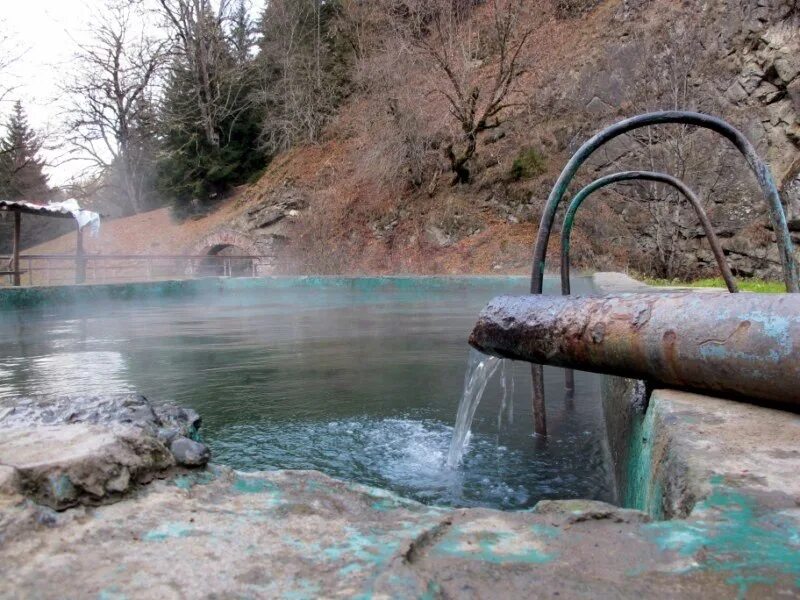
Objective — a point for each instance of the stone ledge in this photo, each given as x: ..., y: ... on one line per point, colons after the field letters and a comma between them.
x: 64, y: 451
x: 289, y: 534
x: 687, y: 444
x: 63, y: 465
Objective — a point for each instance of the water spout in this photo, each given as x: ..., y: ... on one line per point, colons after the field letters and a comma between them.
x: 480, y: 369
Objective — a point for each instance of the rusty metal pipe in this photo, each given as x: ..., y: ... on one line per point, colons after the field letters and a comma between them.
x: 577, y: 201
x: 727, y: 344
x: 759, y: 168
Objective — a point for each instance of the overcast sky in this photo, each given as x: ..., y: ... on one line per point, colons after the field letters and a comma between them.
x: 45, y: 33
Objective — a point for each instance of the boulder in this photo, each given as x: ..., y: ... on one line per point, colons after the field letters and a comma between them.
x: 115, y: 409
x: 188, y: 452
x: 86, y: 449
x: 64, y: 465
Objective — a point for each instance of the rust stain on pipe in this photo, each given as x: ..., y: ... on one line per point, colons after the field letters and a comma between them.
x: 735, y: 344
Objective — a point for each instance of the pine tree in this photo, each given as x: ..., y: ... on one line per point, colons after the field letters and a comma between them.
x: 209, y: 124
x: 21, y: 170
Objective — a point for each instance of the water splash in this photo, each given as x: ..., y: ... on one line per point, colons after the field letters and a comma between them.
x: 480, y: 369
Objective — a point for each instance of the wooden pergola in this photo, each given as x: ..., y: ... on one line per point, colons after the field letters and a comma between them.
x: 18, y: 207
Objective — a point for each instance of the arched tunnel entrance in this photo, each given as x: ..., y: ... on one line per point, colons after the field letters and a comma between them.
x: 221, y: 261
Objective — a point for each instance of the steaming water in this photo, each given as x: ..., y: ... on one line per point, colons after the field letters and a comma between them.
x: 360, y: 379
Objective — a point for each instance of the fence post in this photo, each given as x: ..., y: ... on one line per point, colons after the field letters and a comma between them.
x: 30, y: 271
x: 80, y: 259
x: 15, y: 262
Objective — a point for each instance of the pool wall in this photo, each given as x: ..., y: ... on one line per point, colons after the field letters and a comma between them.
x: 26, y: 297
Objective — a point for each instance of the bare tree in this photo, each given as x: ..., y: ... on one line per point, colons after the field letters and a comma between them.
x: 476, y: 65
x: 667, y: 72
x: 8, y: 56
x: 109, y: 116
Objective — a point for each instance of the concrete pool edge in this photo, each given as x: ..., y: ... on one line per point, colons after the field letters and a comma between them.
x: 26, y: 297
x: 302, y: 534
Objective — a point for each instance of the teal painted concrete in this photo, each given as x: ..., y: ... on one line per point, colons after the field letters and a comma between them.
x: 26, y: 297
x: 736, y: 537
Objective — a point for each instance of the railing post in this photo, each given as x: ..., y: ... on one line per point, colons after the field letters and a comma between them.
x: 80, y: 259
x: 15, y: 262
x: 30, y: 271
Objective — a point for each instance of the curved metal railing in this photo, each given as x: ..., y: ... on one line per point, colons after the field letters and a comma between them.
x: 759, y: 168
x: 580, y: 197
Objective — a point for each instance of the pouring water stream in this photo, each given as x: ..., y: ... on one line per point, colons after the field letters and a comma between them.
x: 479, y: 370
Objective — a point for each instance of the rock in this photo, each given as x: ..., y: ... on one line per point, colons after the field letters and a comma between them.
x: 736, y: 93
x: 166, y: 434
x: 438, y: 236
x: 63, y: 465
x: 768, y: 92
x: 115, y: 409
x: 793, y: 89
x: 597, y: 107
x: 189, y: 453
x: 787, y: 67
x: 9, y: 481
x: 781, y: 112
x: 495, y: 136
x: 577, y: 511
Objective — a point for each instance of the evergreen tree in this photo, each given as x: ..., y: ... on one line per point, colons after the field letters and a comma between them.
x: 21, y: 170
x: 209, y: 125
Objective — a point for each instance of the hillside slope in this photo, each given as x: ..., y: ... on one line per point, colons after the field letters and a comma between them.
x: 736, y: 59
x: 357, y: 202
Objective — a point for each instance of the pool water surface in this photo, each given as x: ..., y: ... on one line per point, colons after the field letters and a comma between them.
x: 358, y: 378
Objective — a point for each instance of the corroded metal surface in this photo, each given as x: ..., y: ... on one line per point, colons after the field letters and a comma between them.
x: 759, y: 168
x: 580, y: 197
x: 734, y: 344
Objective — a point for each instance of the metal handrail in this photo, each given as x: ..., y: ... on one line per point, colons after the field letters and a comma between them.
x: 759, y: 168
x: 71, y: 257
x: 580, y: 197
x: 116, y: 263
x: 577, y: 201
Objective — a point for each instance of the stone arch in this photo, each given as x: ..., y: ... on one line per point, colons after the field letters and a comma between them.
x: 227, y: 241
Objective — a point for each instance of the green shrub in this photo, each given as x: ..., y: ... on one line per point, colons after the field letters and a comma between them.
x: 529, y: 163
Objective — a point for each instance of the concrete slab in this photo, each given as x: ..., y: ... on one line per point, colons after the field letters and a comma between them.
x: 611, y: 282
x: 688, y: 444
x: 219, y: 533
